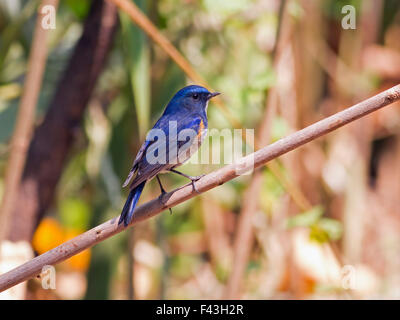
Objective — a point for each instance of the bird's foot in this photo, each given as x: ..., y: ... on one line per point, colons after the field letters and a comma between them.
x: 163, y: 192
x: 194, y: 179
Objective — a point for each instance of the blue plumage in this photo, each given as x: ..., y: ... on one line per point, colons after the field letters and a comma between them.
x: 184, y: 116
x: 130, y: 204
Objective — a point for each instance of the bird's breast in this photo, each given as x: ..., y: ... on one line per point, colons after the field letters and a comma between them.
x: 188, y: 150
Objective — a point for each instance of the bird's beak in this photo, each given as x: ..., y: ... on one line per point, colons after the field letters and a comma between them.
x: 213, y: 94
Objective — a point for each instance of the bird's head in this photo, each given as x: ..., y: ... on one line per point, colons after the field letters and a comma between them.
x: 192, y: 97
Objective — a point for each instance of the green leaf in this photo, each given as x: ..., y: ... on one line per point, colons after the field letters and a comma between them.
x: 332, y: 227
x: 75, y: 213
x: 280, y: 128
x: 325, y: 230
x: 317, y: 234
x: 79, y: 8
x: 306, y: 219
x: 263, y: 80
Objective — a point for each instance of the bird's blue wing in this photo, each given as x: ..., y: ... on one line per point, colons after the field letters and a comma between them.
x: 146, y: 170
x: 142, y: 151
x: 139, y: 156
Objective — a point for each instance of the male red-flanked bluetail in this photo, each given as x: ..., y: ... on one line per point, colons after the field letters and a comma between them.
x: 175, y: 136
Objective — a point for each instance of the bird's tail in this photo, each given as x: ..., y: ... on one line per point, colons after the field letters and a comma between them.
x: 130, y: 204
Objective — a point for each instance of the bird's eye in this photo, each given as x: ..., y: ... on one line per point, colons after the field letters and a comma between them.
x: 195, y: 96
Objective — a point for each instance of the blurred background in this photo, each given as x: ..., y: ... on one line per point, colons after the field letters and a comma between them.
x: 320, y: 222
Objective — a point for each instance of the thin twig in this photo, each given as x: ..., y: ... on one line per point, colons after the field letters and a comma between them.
x: 25, y: 119
x: 210, y: 181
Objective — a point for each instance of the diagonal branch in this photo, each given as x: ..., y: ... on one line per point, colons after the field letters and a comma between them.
x: 212, y: 180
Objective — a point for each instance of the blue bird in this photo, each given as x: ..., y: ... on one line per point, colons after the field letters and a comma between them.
x: 174, y: 138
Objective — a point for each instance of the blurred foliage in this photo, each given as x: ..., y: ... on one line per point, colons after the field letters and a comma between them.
x: 321, y: 229
x: 230, y: 44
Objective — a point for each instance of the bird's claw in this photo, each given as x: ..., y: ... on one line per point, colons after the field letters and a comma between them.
x: 197, y: 178
x: 192, y: 179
